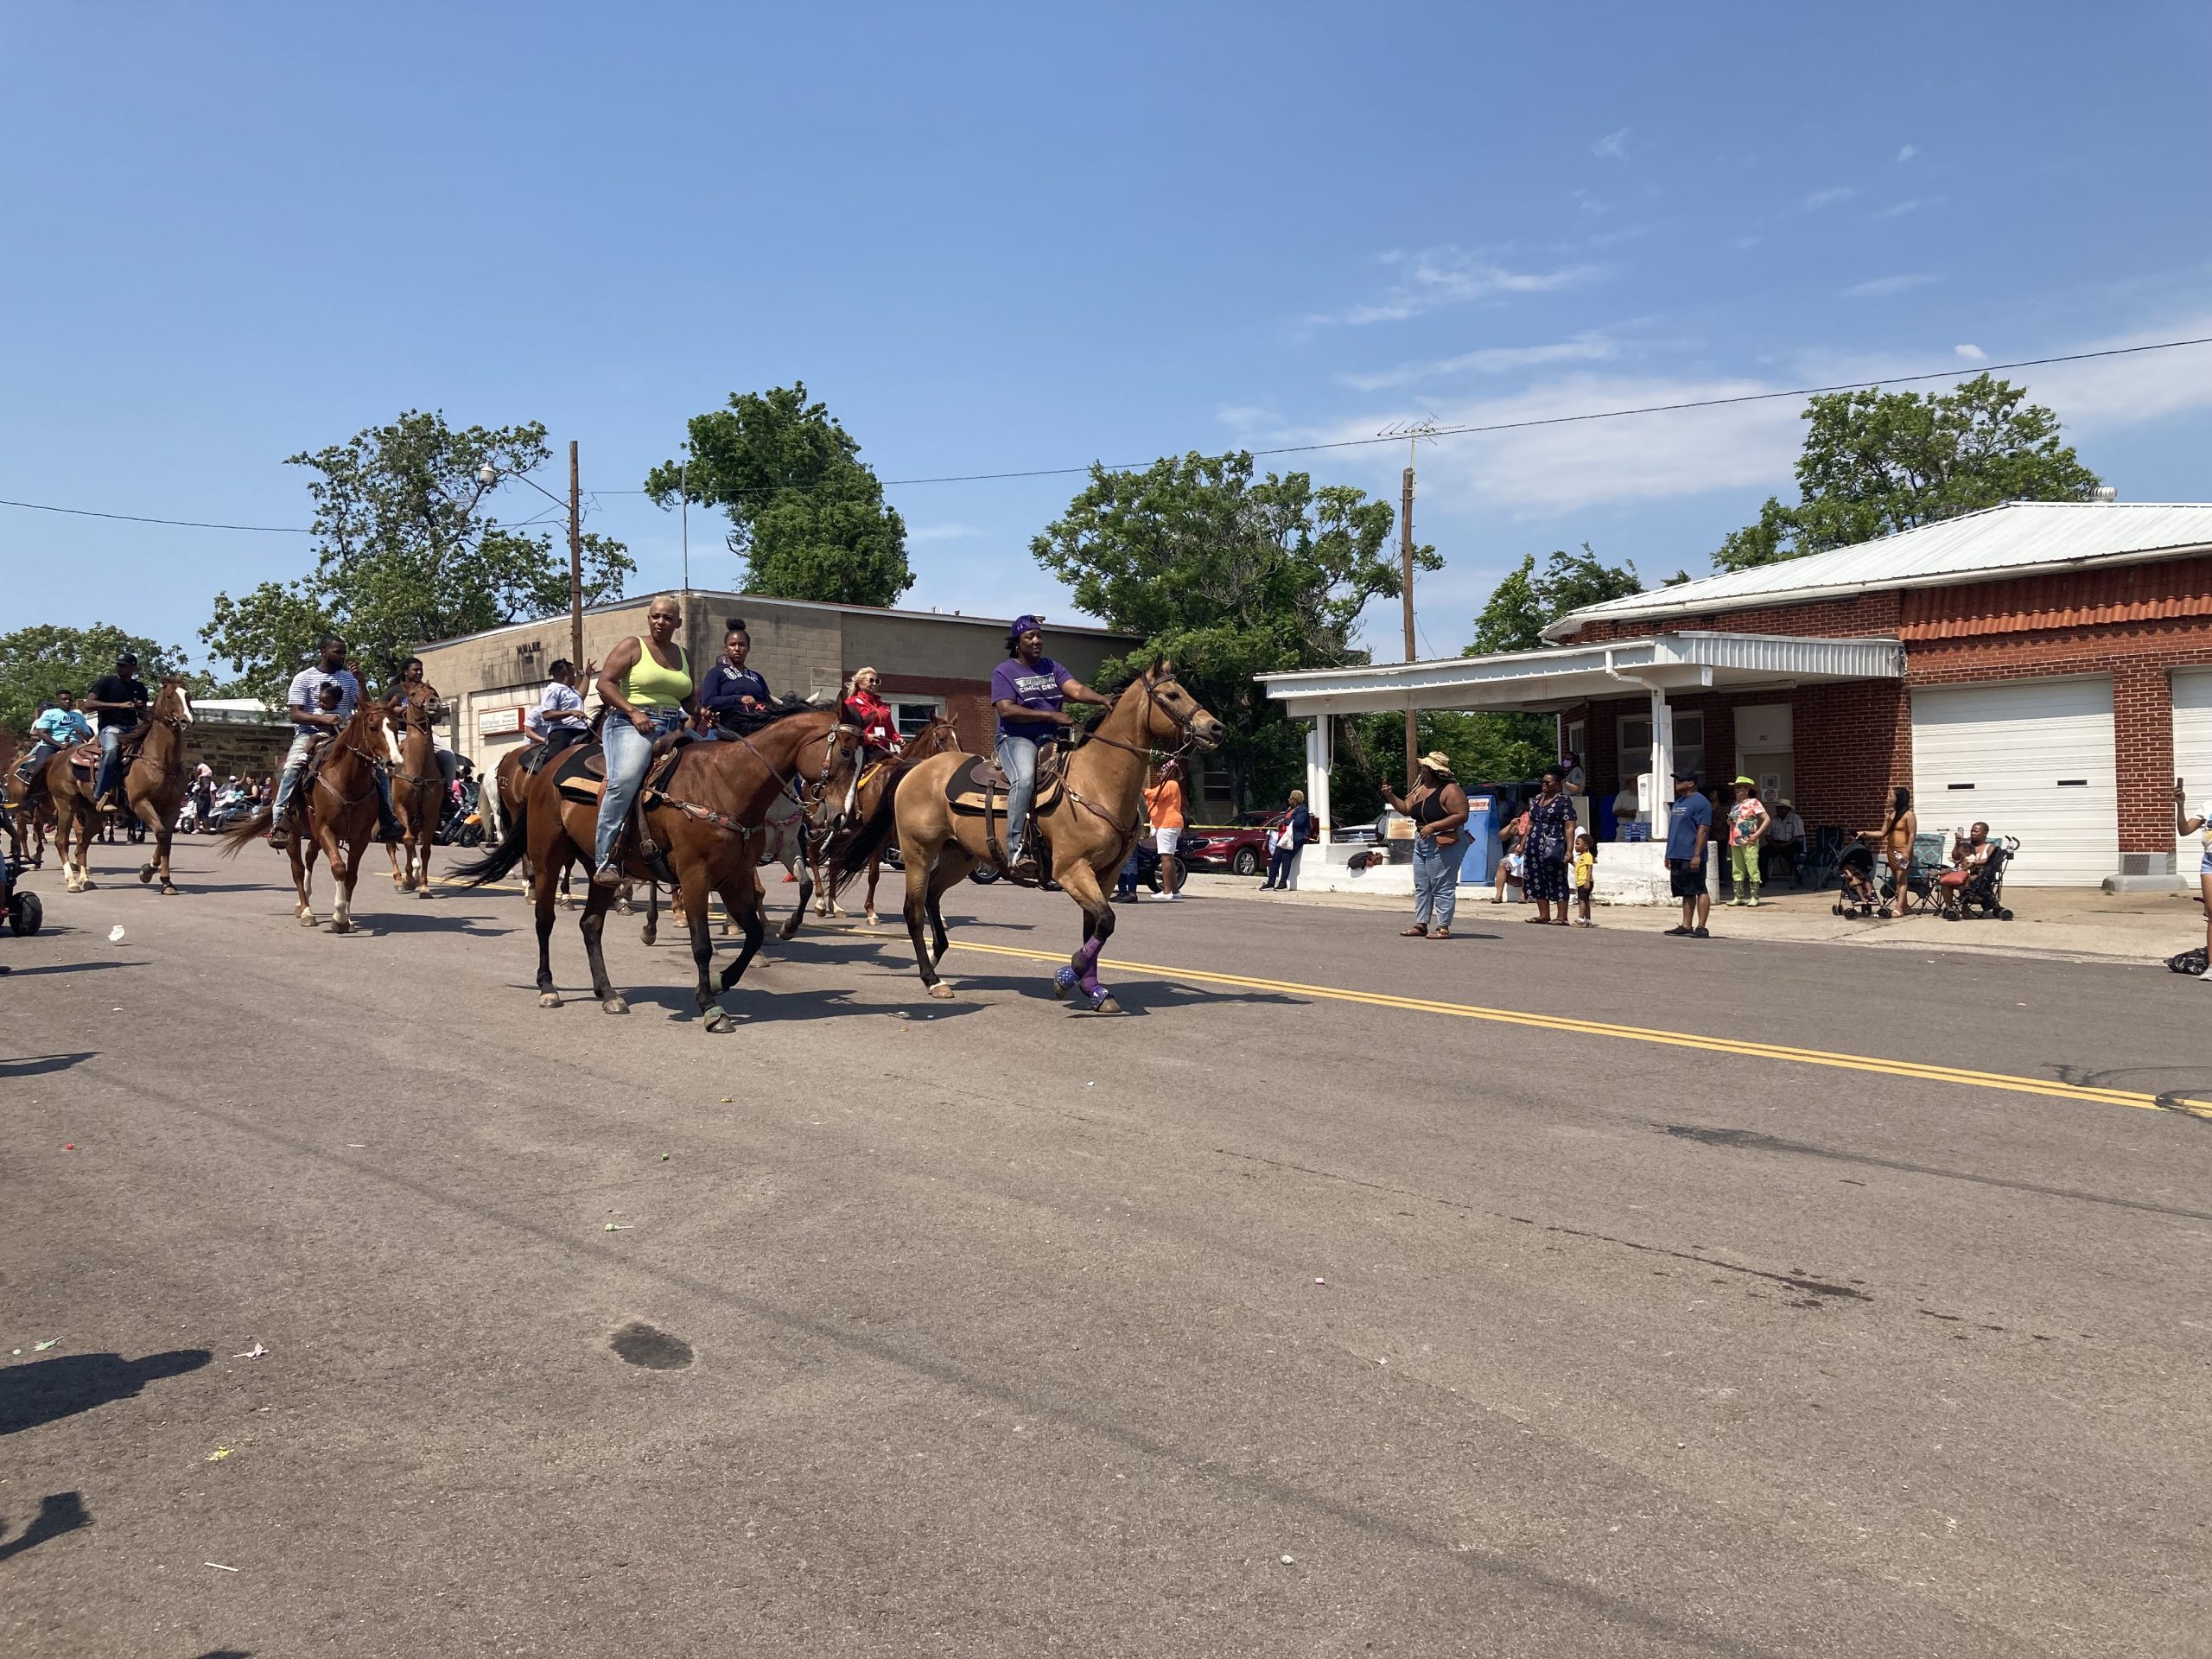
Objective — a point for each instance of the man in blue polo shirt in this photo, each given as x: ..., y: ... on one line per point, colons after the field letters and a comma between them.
x: 1689, y: 829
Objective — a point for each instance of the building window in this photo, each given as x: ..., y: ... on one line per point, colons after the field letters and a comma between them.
x: 913, y: 715
x: 1636, y: 743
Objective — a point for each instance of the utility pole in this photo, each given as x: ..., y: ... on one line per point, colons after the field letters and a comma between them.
x: 684, y: 488
x: 576, y: 561
x: 1406, y: 563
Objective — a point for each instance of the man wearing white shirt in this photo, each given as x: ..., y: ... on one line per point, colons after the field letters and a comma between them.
x: 314, y: 715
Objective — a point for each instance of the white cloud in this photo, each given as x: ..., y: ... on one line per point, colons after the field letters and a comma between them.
x: 1440, y: 277
x: 1898, y: 210
x: 1243, y: 414
x: 1972, y: 353
x: 1882, y: 288
x: 1908, y: 152
x: 1612, y: 147
x: 2119, y: 391
x: 1821, y: 199
x: 1490, y: 360
x: 941, y: 532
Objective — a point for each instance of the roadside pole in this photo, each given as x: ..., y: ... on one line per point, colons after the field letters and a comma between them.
x: 576, y: 561
x: 1406, y: 563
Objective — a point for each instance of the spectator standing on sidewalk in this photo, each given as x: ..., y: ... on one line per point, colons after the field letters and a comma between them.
x: 1163, y: 808
x: 1438, y: 807
x: 1543, y: 864
x: 1747, y: 826
x: 1689, y: 828
x: 1291, y: 831
x: 1585, y: 876
x: 2187, y: 823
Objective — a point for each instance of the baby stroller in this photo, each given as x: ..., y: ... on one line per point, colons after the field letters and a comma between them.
x: 1870, y: 886
x: 1982, y: 895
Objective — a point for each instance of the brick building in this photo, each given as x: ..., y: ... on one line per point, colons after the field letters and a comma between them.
x: 932, y: 662
x: 2044, y: 666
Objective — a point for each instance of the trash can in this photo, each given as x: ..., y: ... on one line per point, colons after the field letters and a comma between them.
x: 1480, y: 862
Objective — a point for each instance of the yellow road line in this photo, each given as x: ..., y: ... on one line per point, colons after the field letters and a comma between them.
x: 1643, y: 1034
x: 1869, y: 1063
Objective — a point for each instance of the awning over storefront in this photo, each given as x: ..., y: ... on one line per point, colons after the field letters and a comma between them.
x: 1544, y: 681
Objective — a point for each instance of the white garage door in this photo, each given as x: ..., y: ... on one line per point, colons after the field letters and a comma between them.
x: 2193, y: 752
x: 2033, y: 758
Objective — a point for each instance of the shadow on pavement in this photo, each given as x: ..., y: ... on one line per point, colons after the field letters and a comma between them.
x: 35, y: 1065
x: 46, y: 1390
x: 410, y: 921
x: 58, y: 1512
x: 75, y: 968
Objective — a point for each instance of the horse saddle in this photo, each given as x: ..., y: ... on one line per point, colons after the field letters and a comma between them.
x: 580, y: 773
x: 85, y: 759
x: 979, y: 786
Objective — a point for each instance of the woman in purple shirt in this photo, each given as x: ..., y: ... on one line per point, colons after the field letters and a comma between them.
x: 1027, y: 692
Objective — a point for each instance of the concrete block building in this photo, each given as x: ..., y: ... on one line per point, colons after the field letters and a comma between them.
x: 2044, y: 666
x: 932, y: 663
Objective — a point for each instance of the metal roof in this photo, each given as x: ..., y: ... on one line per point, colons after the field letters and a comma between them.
x: 2022, y: 536
x: 1544, y: 680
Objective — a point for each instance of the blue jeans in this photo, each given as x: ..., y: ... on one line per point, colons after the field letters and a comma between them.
x: 34, y: 762
x: 1125, y: 885
x: 1018, y: 759
x: 1436, y: 882
x: 628, y: 753
x: 288, y: 778
x: 110, y: 760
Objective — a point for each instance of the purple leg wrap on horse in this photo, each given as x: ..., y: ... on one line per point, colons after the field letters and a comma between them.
x: 1086, y: 964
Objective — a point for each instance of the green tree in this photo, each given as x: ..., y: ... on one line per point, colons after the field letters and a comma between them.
x: 36, y: 662
x: 408, y: 552
x: 1875, y: 462
x: 806, y: 514
x: 1229, y: 578
x: 1527, y: 601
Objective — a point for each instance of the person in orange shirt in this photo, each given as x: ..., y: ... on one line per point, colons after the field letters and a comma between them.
x: 1163, y: 808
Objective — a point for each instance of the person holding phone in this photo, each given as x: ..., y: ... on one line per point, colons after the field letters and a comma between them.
x: 1438, y: 807
x: 2190, y: 823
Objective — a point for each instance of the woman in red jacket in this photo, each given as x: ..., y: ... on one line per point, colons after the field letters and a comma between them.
x: 868, y: 711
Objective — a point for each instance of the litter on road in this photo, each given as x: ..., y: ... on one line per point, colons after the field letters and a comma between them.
x: 254, y: 1353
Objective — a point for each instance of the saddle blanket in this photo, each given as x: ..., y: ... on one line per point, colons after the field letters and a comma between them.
x: 978, y: 785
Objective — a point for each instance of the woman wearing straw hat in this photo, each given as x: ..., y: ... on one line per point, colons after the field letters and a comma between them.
x: 1438, y: 807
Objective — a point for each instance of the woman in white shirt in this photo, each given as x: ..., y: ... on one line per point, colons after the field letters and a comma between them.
x: 2189, y: 823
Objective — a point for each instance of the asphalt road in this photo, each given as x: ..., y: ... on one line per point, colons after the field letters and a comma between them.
x: 1251, y: 1321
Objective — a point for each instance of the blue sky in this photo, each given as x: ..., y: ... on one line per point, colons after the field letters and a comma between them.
x: 1000, y: 238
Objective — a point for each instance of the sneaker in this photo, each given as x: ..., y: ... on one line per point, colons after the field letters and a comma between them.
x: 1700, y: 933
x: 1676, y: 933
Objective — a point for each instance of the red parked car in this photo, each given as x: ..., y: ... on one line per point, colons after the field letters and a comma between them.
x: 1241, y: 847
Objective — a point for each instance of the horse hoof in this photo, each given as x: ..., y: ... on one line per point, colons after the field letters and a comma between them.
x: 306, y: 918
x: 423, y: 892
x: 167, y: 892
x: 339, y: 925
x: 1063, y: 982
x: 717, y: 1020
x: 1105, y: 1003
x: 942, y: 991
x: 146, y: 875
x: 872, y: 921
x: 615, y: 1005
x: 622, y: 907
x: 549, y: 999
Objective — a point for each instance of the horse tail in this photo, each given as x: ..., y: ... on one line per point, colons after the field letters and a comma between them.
x: 865, y: 842
x: 513, y: 844
x: 242, y: 834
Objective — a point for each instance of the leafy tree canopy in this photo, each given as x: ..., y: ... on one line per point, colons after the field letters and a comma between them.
x: 806, y: 514
x: 1876, y: 462
x: 1527, y: 601
x: 408, y: 551
x: 36, y: 662
x: 1229, y: 578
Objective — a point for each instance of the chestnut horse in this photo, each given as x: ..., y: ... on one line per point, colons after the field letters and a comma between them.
x: 1088, y: 831
x: 338, y: 815
x: 703, y: 820
x: 940, y: 736
x: 153, y: 787
x: 418, y: 788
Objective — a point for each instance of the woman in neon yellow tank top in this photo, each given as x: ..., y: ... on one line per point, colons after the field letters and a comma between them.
x: 646, y: 687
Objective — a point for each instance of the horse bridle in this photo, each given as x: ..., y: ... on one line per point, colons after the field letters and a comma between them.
x: 1149, y: 685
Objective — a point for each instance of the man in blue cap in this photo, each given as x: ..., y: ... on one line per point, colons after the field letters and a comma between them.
x: 1026, y: 691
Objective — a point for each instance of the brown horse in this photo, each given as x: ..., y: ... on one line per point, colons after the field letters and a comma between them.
x: 940, y: 736
x: 704, y: 818
x: 418, y: 788
x: 153, y: 787
x: 1088, y: 831
x: 338, y: 817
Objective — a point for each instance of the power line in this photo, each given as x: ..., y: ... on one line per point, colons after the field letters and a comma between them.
x: 1470, y: 429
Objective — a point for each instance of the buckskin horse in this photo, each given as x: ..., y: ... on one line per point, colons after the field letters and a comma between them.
x: 153, y: 787
x: 700, y: 813
x: 338, y: 815
x: 419, y: 788
x: 950, y: 811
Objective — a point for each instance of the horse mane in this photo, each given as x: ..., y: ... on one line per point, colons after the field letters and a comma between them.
x: 361, y: 733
